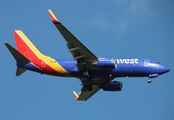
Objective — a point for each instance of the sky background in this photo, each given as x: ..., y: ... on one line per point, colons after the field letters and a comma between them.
x: 113, y: 28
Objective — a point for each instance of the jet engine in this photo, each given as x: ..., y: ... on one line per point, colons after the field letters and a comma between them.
x: 106, y: 63
x: 112, y: 86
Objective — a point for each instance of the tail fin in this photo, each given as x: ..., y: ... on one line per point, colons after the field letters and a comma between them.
x: 18, y: 57
x: 25, y: 46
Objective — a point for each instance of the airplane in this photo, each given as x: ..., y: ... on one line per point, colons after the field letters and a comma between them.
x: 95, y: 73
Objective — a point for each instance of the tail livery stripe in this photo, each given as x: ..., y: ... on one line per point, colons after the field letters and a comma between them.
x: 25, y: 47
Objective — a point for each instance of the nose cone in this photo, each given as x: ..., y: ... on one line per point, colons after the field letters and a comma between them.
x: 164, y: 69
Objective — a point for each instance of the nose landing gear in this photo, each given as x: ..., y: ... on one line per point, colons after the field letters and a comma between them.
x: 152, y: 76
x: 149, y: 80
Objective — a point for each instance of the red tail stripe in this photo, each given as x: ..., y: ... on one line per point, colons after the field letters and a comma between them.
x: 27, y: 52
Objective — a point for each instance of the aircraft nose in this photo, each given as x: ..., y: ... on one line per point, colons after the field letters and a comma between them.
x: 165, y: 69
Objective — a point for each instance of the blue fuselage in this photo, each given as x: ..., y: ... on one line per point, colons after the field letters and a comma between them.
x: 142, y: 68
x: 123, y: 68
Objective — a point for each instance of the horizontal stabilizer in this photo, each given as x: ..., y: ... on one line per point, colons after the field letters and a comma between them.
x: 19, y: 71
x: 17, y: 55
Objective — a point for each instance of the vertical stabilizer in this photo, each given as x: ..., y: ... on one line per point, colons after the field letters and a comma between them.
x: 25, y: 46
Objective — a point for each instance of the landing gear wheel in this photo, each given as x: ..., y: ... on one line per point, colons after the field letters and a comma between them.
x: 86, y: 74
x: 149, y: 80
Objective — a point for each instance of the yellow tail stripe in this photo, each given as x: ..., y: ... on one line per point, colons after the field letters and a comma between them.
x: 56, y: 66
x: 28, y: 42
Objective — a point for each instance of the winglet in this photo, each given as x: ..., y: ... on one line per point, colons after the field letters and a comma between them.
x: 53, y: 17
x: 76, y: 96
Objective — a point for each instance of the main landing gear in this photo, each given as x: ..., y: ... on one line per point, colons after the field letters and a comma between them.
x: 89, y: 81
x: 149, y: 80
x: 87, y: 72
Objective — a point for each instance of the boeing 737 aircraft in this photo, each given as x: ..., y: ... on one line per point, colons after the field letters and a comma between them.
x: 95, y: 73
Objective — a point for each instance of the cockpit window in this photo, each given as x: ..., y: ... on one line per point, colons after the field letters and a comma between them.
x: 157, y: 62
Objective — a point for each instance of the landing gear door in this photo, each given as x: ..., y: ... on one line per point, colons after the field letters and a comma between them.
x: 146, y: 62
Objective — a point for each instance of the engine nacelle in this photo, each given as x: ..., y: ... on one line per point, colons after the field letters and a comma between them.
x: 112, y: 86
x: 106, y: 63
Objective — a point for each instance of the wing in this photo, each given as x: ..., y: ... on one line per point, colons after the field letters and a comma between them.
x: 85, y: 94
x: 79, y: 51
